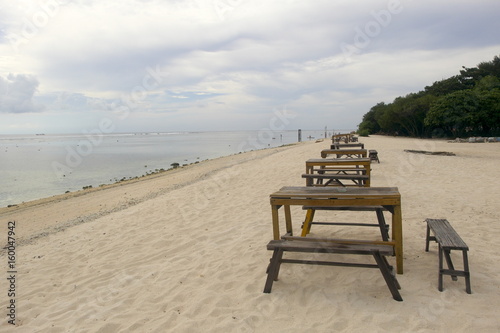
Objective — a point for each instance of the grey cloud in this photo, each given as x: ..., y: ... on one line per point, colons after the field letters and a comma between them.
x: 17, y: 93
x: 446, y: 25
x: 255, y: 55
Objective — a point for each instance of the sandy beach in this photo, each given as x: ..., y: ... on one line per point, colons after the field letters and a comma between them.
x: 185, y: 250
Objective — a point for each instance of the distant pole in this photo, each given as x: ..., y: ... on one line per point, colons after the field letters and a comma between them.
x: 325, y: 132
x: 300, y: 135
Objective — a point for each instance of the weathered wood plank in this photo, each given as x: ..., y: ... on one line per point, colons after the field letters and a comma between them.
x: 331, y: 247
x: 443, y: 153
x: 446, y: 235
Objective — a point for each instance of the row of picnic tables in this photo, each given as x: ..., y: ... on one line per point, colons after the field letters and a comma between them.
x: 341, y: 183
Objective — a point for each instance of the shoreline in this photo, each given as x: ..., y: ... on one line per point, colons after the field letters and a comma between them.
x: 61, y: 165
x: 169, y: 180
x: 150, y: 175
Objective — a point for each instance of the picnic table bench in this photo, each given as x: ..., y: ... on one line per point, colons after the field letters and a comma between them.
x: 336, y: 176
x: 350, y: 153
x: 354, y: 198
x: 326, y: 179
x: 316, y: 245
x: 448, y: 239
x: 332, y: 166
x: 347, y: 145
x: 347, y: 137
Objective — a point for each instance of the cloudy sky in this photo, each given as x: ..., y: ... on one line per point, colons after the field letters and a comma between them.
x: 68, y: 66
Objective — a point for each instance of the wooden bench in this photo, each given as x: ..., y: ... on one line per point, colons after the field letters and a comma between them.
x: 347, y: 145
x: 338, y: 170
x: 335, y: 165
x: 342, y: 137
x: 373, y: 155
x: 331, y: 179
x: 448, y: 239
x: 311, y: 245
x: 349, y: 153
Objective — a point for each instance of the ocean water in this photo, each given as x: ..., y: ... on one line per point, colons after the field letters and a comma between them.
x: 39, y: 166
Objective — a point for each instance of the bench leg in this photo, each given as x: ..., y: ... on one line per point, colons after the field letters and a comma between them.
x: 382, y: 224
x: 319, y: 181
x: 427, y: 238
x: 440, y: 279
x: 447, y: 257
x: 338, y: 182
x: 273, y: 269
x: 466, y: 272
x: 391, y: 269
x: 390, y: 279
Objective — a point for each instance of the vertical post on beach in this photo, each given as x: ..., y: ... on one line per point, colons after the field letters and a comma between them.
x: 325, y: 132
x: 300, y: 135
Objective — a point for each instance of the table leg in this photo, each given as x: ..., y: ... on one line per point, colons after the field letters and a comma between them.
x: 368, y: 169
x: 276, y: 222
x: 288, y: 220
x: 397, y: 237
x: 306, y: 227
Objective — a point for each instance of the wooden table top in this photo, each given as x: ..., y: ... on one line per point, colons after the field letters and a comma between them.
x: 348, y: 144
x: 336, y: 192
x: 338, y: 160
x: 348, y: 151
x: 342, y: 150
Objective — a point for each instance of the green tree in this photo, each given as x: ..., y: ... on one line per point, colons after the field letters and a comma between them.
x: 386, y: 117
x: 369, y: 125
x: 446, y: 86
x: 454, y: 113
x: 487, y: 118
x: 411, y: 112
x: 464, y: 104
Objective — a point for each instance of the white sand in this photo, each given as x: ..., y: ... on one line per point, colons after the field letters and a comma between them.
x: 186, y: 251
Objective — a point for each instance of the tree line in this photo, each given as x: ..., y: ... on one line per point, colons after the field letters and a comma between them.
x: 463, y: 105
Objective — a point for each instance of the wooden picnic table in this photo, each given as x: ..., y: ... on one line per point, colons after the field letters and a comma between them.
x: 347, y: 137
x: 347, y: 145
x: 346, y: 197
x: 339, y: 166
x: 350, y: 153
x: 337, y: 178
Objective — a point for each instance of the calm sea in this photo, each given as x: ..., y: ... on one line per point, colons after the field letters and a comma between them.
x: 39, y: 166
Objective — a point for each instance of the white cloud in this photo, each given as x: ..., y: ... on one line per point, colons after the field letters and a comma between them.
x: 244, y: 57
